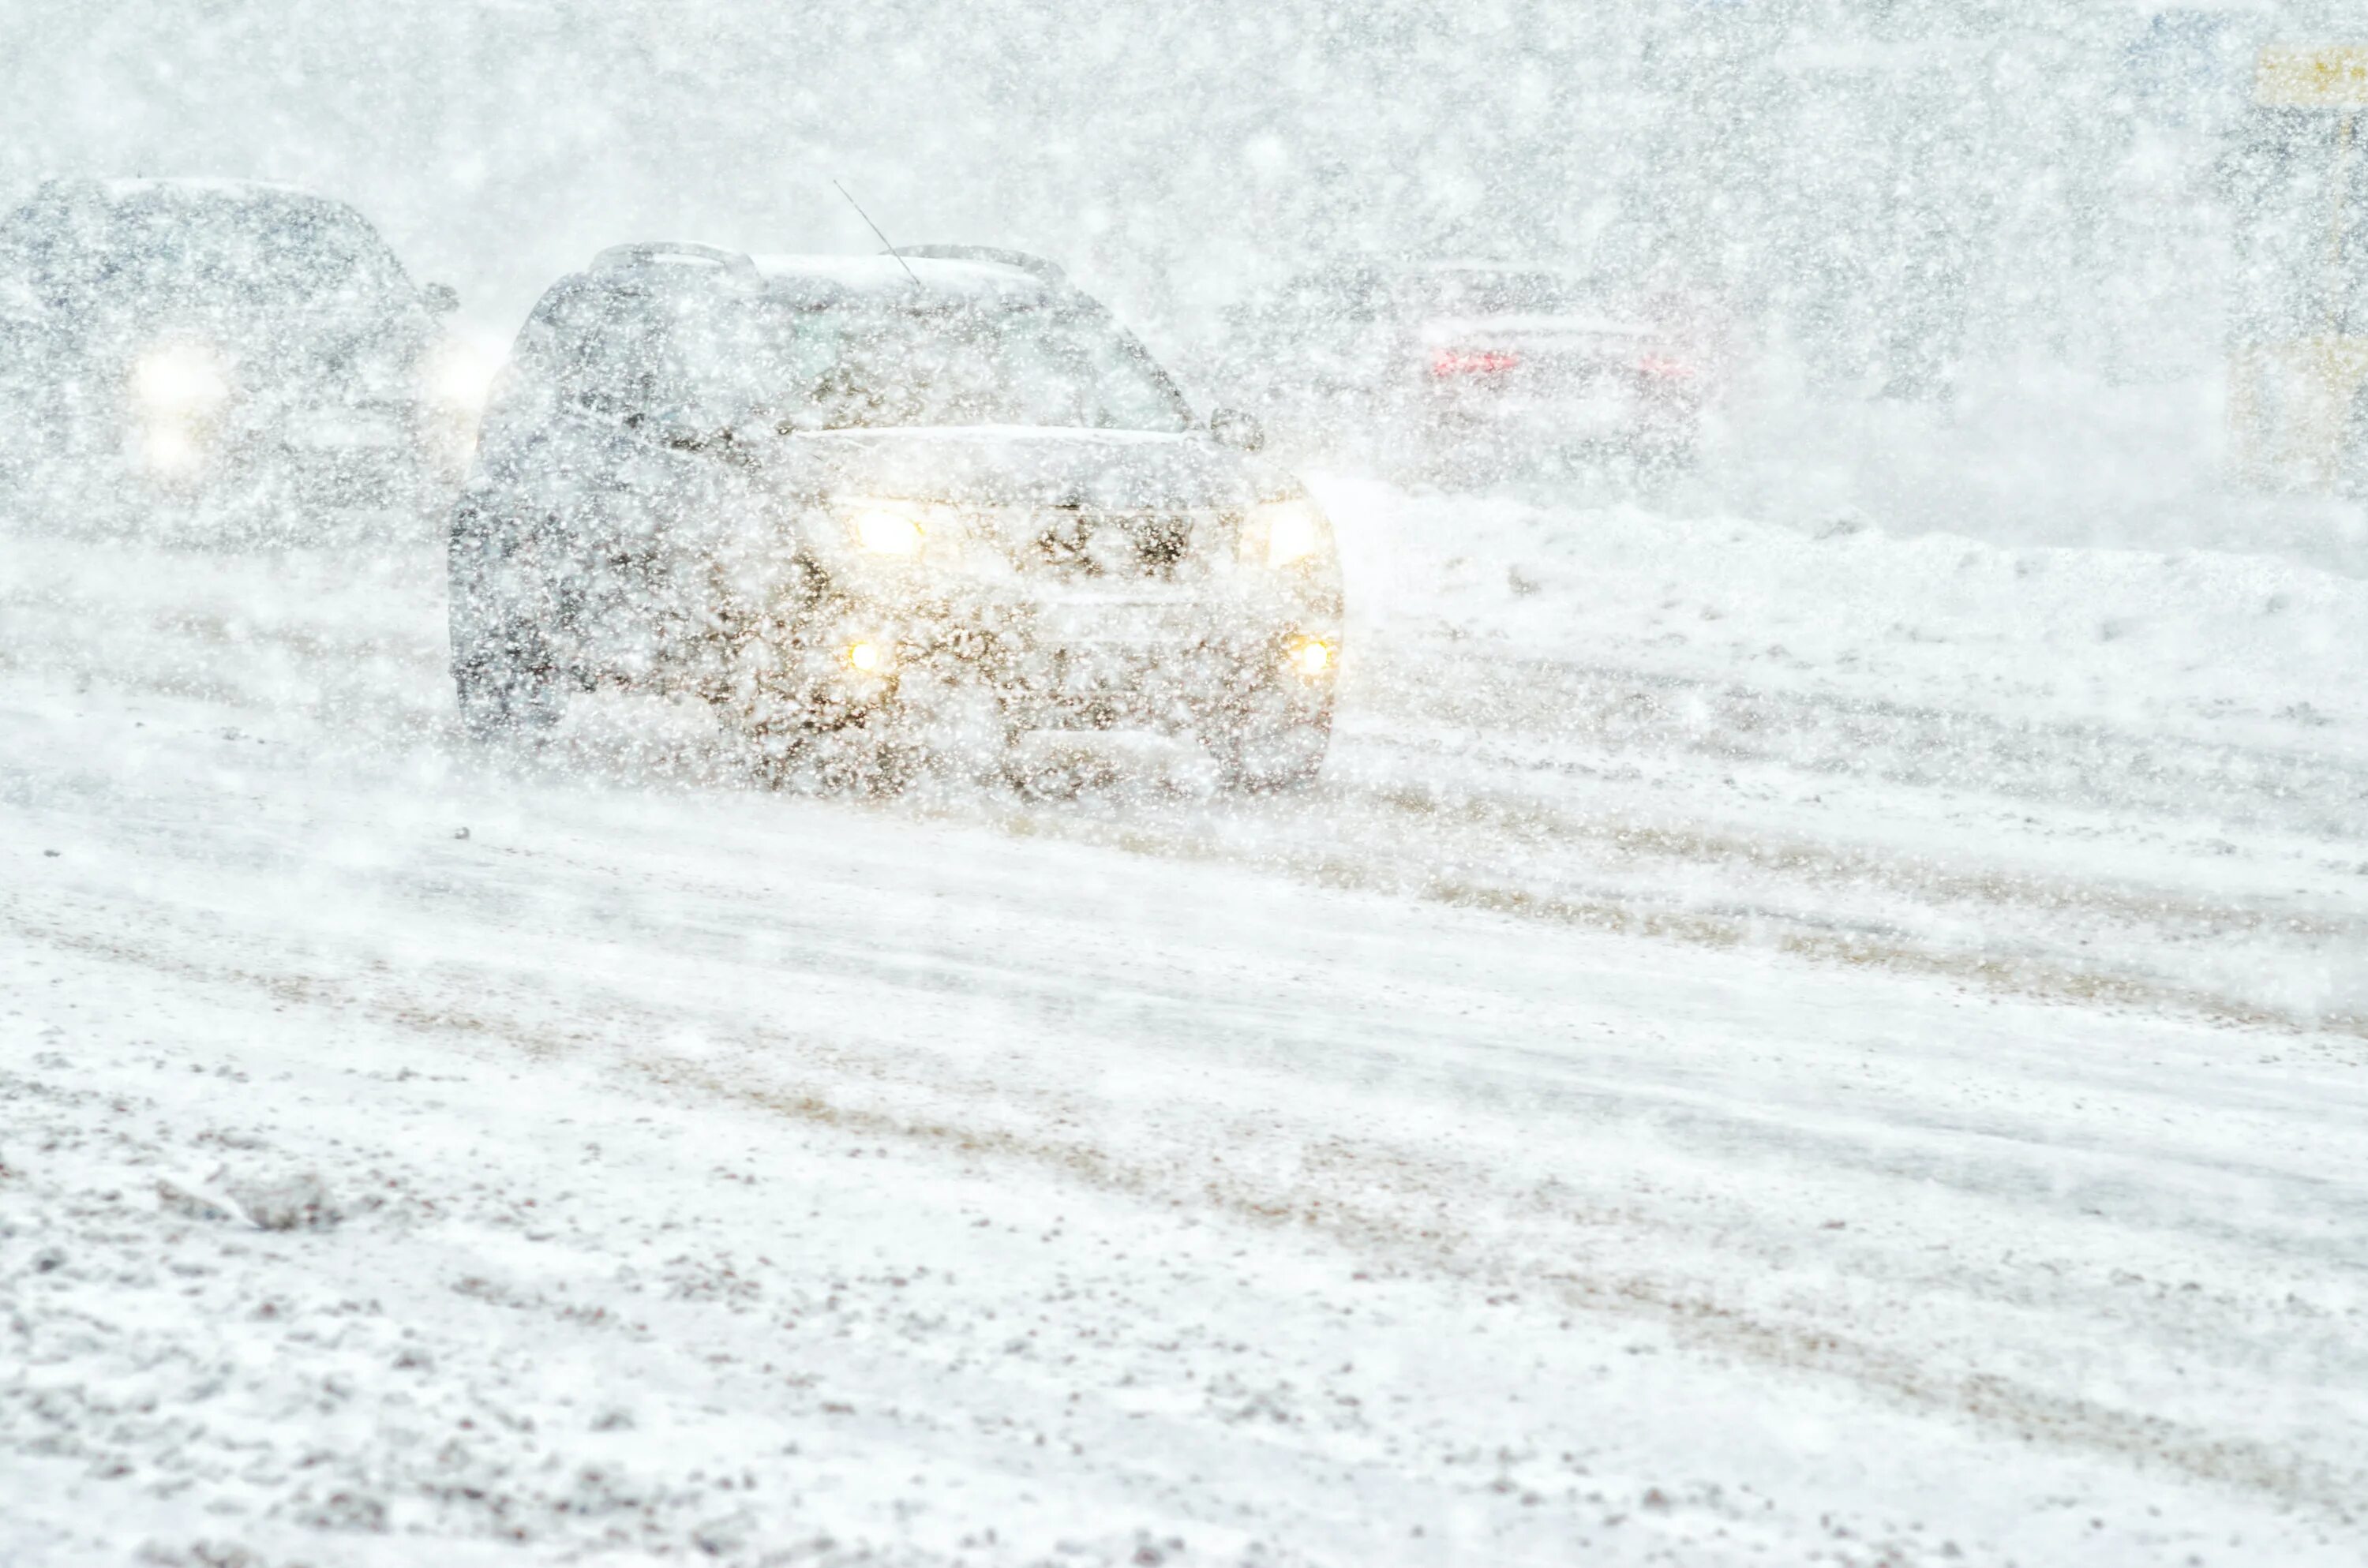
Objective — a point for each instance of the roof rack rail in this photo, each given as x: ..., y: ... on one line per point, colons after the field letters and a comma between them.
x: 1048, y: 271
x: 625, y: 258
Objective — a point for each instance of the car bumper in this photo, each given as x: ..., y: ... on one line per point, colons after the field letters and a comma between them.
x: 1168, y: 665
x: 1578, y: 420
x: 329, y: 452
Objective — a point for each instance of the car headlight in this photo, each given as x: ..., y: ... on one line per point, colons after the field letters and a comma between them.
x: 186, y: 378
x: 1284, y: 533
x: 898, y: 528
x: 1310, y: 656
x: 460, y: 372
x: 171, y: 448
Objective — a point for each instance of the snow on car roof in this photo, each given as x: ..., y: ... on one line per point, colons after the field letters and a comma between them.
x: 885, y: 277
x: 1447, y: 329
x: 1521, y: 268
x: 134, y: 190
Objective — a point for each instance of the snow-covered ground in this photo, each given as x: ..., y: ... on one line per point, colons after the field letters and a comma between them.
x: 1768, y: 1042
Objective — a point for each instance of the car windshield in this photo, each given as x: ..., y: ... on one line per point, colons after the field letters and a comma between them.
x: 689, y: 357
x: 255, y: 251
x: 857, y: 368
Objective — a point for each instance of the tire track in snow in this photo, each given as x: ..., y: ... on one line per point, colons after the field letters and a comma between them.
x: 2027, y: 976
x: 1621, y: 712
x: 1413, y: 1231
x: 375, y: 682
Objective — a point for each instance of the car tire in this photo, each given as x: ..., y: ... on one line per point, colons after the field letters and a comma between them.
x: 503, y: 688
x: 503, y: 674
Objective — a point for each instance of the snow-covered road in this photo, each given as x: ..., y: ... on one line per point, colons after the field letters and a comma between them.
x: 1761, y: 1045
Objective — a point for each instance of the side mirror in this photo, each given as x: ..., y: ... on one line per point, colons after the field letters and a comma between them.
x: 439, y: 299
x: 1237, y: 428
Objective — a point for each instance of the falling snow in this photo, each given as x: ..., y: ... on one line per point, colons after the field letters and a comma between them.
x: 1253, y: 784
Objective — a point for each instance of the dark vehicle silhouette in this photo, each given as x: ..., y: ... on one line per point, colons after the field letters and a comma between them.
x: 928, y: 509
x: 1469, y: 368
x: 189, y: 337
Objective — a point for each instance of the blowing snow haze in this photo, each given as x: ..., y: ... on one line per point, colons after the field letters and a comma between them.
x: 1487, y: 784
x: 2009, y: 225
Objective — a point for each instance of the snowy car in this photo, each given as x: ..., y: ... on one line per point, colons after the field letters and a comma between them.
x: 1467, y: 368
x: 934, y: 508
x: 197, y: 337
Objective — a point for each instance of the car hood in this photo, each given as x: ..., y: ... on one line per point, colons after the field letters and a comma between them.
x: 994, y: 465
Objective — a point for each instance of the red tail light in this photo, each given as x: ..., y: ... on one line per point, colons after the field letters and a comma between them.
x: 1661, y: 368
x: 1472, y: 362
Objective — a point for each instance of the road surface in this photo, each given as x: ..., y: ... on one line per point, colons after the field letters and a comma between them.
x: 1893, y: 1100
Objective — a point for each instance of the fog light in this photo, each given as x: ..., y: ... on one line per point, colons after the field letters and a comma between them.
x: 888, y: 530
x: 867, y: 657
x: 460, y: 372
x: 1310, y: 656
x: 1285, y: 533
x: 170, y: 448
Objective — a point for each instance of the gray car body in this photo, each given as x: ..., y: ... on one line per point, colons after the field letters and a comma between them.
x: 1346, y: 361
x: 325, y: 388
x: 634, y: 541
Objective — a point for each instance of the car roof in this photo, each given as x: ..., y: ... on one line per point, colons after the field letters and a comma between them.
x: 126, y: 190
x: 1496, y: 269
x: 904, y: 281
x: 1401, y: 266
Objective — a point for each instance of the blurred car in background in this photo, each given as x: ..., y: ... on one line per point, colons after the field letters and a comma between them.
x: 1471, y: 369
x: 194, y: 337
x: 928, y: 510
x: 2298, y: 325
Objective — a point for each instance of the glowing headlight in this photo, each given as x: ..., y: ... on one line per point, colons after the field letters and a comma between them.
x: 1310, y: 656
x: 882, y: 532
x: 170, y: 450
x: 1284, y: 533
x: 460, y: 372
x: 897, y: 527
x: 184, y: 379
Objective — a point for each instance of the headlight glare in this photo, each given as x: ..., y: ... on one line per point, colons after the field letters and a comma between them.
x: 460, y: 372
x: 170, y: 448
x: 184, y: 379
x: 880, y: 531
x: 898, y: 529
x: 1284, y: 533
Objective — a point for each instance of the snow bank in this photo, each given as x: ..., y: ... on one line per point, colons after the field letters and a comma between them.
x: 2243, y: 648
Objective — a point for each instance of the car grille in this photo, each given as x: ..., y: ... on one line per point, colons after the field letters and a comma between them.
x: 1079, y: 543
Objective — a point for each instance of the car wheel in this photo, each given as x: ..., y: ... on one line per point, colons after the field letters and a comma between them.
x: 502, y: 672
x: 504, y: 687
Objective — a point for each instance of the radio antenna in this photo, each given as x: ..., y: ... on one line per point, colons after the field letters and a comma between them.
x: 875, y: 229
